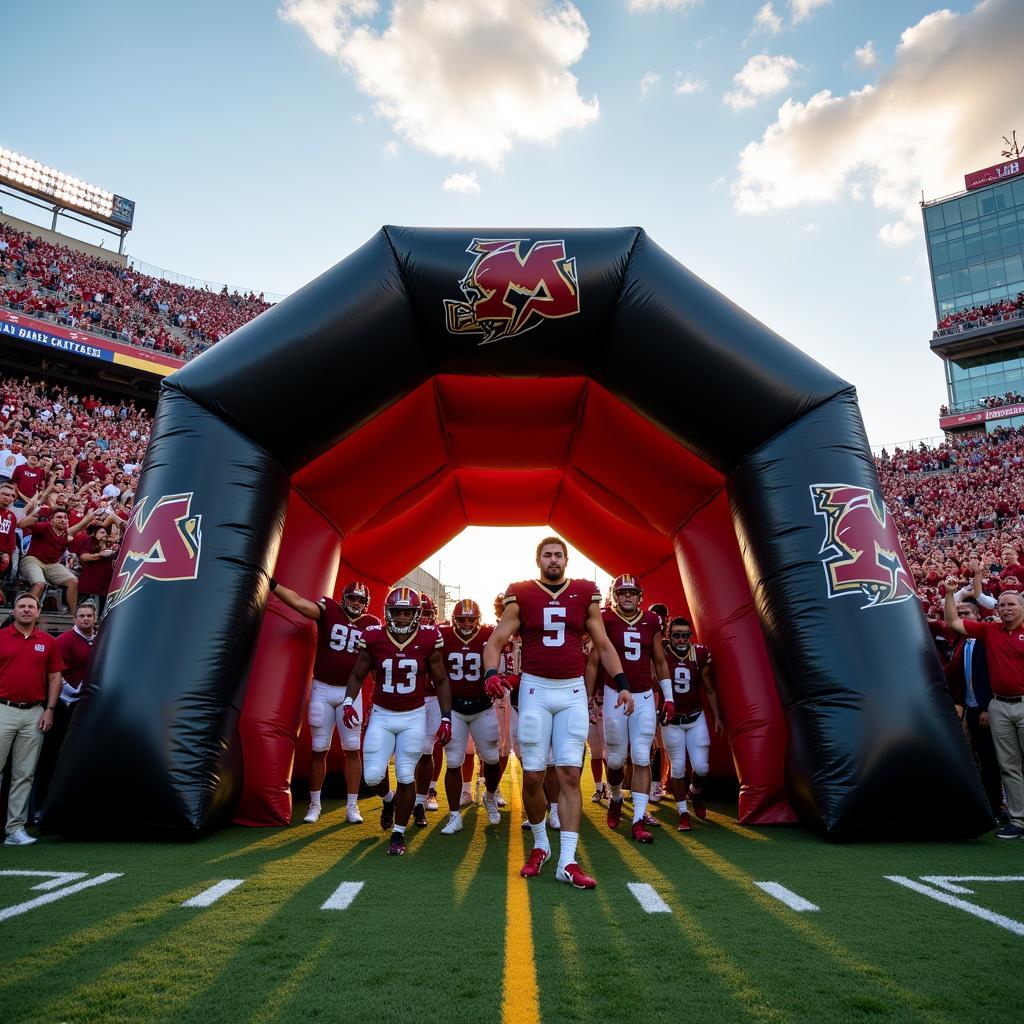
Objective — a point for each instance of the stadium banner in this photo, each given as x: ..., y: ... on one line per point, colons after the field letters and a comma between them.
x: 965, y: 419
x: 41, y: 332
x: 997, y: 172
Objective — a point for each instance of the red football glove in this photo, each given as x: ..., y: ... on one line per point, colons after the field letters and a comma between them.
x: 495, y: 687
x: 350, y: 716
x: 668, y: 711
x: 444, y: 732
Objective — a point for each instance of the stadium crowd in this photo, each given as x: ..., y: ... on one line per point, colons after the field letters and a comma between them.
x: 980, y: 316
x: 91, y: 294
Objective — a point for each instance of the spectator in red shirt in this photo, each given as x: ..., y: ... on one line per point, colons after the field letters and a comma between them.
x: 96, y: 552
x: 8, y: 524
x: 29, y: 477
x: 1004, y: 651
x: 30, y: 680
x: 42, y: 565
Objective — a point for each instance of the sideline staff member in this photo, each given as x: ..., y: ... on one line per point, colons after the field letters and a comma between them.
x: 30, y: 678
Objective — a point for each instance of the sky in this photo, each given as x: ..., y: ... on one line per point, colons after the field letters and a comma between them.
x: 778, y: 149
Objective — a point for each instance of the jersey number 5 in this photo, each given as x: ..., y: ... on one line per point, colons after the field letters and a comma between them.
x: 554, y: 627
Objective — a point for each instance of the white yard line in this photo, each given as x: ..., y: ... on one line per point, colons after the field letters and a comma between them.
x: 1008, y: 923
x: 648, y: 898
x: 214, y: 893
x: 787, y: 896
x: 342, y: 897
x: 948, y: 882
x: 57, y: 894
x: 54, y: 879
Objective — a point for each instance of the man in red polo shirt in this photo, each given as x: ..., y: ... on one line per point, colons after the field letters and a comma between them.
x: 50, y: 538
x: 30, y: 678
x: 1004, y: 651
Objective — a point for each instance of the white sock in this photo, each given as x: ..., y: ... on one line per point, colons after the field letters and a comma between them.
x: 681, y: 806
x: 353, y: 800
x: 617, y: 792
x: 389, y: 796
x: 421, y: 798
x: 314, y: 797
x: 540, y: 836
x: 433, y: 789
x: 567, y: 848
x: 467, y: 788
x: 400, y: 829
x: 654, y: 789
x: 639, y: 806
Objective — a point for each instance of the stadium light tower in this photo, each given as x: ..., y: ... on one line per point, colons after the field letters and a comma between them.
x: 63, y: 194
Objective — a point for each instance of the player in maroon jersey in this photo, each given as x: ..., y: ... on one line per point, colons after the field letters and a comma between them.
x: 428, y: 768
x: 338, y: 630
x: 636, y: 636
x: 552, y: 614
x: 404, y: 656
x: 684, y: 728
x: 472, y: 711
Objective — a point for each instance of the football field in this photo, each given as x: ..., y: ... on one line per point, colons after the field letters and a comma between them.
x: 314, y: 922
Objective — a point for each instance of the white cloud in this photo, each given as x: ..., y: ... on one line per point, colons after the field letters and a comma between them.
x: 465, y: 183
x: 391, y: 148
x: 766, y: 20
x: 648, y: 82
x: 642, y: 6
x: 810, y: 228
x: 463, y: 79
x: 686, y: 86
x: 801, y: 10
x: 760, y: 76
x: 865, y: 55
x: 938, y: 112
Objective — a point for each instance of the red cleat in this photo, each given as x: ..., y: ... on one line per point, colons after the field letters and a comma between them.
x: 572, y: 874
x: 531, y: 869
x: 614, y: 812
x: 699, y: 807
x: 684, y: 823
x: 640, y: 833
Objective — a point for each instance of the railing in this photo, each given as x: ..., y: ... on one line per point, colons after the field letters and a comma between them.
x: 978, y: 405
x: 976, y: 325
x: 928, y: 442
x: 194, y: 282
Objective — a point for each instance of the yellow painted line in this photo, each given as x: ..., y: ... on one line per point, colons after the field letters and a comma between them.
x: 462, y: 877
x: 520, y: 1001
x: 723, y: 821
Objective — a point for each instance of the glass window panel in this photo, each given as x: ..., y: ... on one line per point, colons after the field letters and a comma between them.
x: 1003, y: 197
x: 946, y: 307
x: 1009, y: 237
x: 944, y: 286
x: 1018, y: 191
x: 955, y: 233
x: 961, y: 281
x: 951, y: 213
x: 979, y: 278
x: 997, y: 294
x: 987, y: 223
x: 990, y: 240
x: 957, y: 252
x: 940, y: 254
x: 996, y: 274
x: 979, y: 298
x: 986, y: 203
x: 969, y: 207
x: 974, y: 227
x: 1010, y: 217
x: 933, y: 218
x: 973, y: 246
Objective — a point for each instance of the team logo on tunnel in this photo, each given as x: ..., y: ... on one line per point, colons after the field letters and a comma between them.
x: 509, y: 292
x: 161, y: 543
x: 861, y: 552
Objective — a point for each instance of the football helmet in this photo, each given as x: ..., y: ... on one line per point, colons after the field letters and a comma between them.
x: 355, y: 599
x: 402, y: 598
x: 428, y: 610
x: 625, y: 582
x: 466, y: 618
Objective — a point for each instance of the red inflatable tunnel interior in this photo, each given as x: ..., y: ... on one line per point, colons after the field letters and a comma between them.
x: 484, y: 451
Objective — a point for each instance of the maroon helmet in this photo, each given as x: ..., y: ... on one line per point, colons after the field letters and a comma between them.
x: 428, y: 610
x: 402, y: 598
x: 625, y: 582
x: 355, y: 599
x: 466, y: 618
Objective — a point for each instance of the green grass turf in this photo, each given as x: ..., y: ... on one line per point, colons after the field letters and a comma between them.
x: 426, y: 935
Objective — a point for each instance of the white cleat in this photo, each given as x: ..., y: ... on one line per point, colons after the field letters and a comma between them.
x: 352, y: 816
x: 313, y: 814
x: 452, y: 825
x: 466, y: 799
x: 432, y: 800
x: 491, y: 807
x: 553, y: 820
x: 19, y: 837
x: 500, y: 799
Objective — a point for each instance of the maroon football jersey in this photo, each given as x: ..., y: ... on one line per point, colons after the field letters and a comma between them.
x: 464, y: 660
x: 400, y: 676
x: 634, y: 640
x: 337, y: 640
x: 685, y: 674
x: 552, y: 625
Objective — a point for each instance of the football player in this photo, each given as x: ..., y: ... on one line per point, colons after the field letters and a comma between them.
x: 505, y: 707
x: 403, y: 655
x: 684, y: 727
x: 426, y: 774
x: 552, y: 614
x: 636, y: 637
x: 339, y: 628
x: 472, y: 712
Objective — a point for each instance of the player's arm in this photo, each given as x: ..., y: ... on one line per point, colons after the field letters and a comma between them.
x: 609, y: 656
x: 310, y: 609
x: 438, y: 672
x: 953, y: 620
x: 506, y: 628
x: 87, y: 520
x: 360, y: 670
x: 590, y: 672
x: 707, y: 678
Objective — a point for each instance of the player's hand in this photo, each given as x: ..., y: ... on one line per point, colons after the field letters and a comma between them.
x: 719, y: 727
x: 350, y: 716
x: 668, y: 711
x: 496, y: 686
x: 625, y: 702
x: 444, y: 732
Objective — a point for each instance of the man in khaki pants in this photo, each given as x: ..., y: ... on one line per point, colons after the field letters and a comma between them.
x: 1004, y: 651
x: 30, y: 678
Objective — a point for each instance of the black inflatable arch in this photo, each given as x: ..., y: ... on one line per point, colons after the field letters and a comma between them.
x: 874, y: 744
